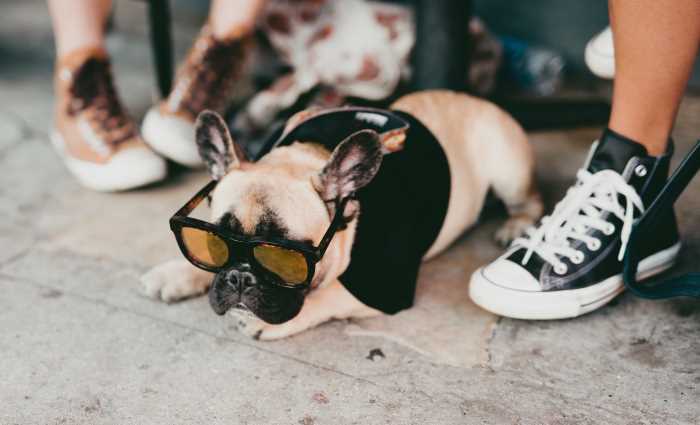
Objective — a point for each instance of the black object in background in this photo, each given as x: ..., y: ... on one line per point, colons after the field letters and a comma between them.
x: 684, y: 285
x: 440, y: 55
x: 547, y: 113
x: 161, y: 44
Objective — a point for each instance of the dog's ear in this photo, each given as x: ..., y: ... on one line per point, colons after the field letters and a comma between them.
x: 216, y: 147
x: 352, y: 165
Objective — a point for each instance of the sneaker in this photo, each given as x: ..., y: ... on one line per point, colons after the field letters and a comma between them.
x: 600, y: 55
x: 93, y: 133
x: 204, y: 81
x: 571, y: 263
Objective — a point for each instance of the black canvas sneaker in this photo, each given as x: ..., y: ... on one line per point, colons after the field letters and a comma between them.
x: 571, y: 263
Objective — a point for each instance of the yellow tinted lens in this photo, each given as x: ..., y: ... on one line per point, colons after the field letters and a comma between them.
x: 205, y: 247
x: 289, y: 265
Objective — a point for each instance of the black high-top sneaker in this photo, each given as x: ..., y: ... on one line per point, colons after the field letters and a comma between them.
x: 571, y: 263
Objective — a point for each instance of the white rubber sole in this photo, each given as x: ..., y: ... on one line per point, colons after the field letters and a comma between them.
x: 600, y: 57
x: 172, y: 137
x: 563, y: 304
x: 601, y: 66
x: 129, y: 169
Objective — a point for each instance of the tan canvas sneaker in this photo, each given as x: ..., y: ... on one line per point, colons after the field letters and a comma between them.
x: 203, y: 81
x: 92, y: 132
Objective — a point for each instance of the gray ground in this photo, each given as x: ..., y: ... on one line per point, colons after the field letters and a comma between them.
x: 78, y: 344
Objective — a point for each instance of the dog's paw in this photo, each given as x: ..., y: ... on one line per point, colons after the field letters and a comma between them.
x: 246, y: 323
x: 332, y: 302
x: 513, y: 228
x: 268, y: 332
x: 174, y: 281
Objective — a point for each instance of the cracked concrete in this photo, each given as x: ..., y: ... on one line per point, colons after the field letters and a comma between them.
x: 78, y: 344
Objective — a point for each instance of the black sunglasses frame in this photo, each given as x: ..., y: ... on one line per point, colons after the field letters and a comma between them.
x: 312, y: 254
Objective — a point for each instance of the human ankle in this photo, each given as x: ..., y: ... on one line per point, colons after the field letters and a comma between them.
x: 230, y: 32
x: 77, y: 57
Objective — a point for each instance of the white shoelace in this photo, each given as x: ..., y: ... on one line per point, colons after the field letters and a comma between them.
x: 580, y: 210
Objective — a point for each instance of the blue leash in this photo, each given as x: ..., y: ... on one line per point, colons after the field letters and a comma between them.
x: 687, y: 285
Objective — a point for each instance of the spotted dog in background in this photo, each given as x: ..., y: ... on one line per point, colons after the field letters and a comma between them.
x: 320, y: 41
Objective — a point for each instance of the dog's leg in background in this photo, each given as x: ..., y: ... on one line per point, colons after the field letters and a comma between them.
x: 512, y: 178
x: 175, y: 280
x: 524, y: 207
x: 262, y: 109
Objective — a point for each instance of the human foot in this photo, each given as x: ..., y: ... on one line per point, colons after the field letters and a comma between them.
x: 571, y: 263
x: 203, y: 81
x: 92, y: 131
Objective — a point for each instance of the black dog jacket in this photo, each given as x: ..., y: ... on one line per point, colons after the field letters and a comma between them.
x: 401, y: 211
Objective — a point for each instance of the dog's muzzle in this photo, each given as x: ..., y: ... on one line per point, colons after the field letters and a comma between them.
x: 239, y: 287
x: 229, y: 286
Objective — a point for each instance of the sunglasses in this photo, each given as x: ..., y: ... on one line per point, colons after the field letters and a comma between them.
x: 290, y: 264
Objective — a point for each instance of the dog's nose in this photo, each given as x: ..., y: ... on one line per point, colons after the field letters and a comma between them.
x: 240, y: 279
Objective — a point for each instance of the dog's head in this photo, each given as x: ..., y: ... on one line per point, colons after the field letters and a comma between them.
x: 282, y: 196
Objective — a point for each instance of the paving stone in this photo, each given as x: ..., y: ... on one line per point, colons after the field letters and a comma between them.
x: 79, y: 344
x: 11, y: 130
x: 105, y: 366
x: 635, y: 360
x: 444, y: 325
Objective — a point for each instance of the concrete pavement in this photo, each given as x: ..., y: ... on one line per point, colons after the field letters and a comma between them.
x: 80, y: 345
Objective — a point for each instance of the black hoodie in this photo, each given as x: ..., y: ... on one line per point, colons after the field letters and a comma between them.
x: 401, y: 210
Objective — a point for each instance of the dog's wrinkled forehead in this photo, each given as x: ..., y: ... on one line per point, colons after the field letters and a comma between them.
x: 272, y: 207
x: 253, y: 216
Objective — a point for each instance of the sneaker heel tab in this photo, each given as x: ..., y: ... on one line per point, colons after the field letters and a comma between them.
x: 619, y: 138
x: 614, y: 151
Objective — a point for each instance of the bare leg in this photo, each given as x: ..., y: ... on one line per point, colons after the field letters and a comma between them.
x: 78, y: 24
x: 233, y: 18
x: 656, y: 42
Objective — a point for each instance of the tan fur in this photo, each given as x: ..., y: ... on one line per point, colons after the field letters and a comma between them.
x: 486, y: 149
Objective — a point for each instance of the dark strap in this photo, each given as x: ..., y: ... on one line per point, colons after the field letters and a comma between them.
x: 684, y: 285
x: 331, y: 126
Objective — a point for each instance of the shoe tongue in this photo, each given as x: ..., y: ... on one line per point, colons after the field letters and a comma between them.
x: 613, y: 152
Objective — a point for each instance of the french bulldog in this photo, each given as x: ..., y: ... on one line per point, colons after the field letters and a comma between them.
x: 283, y: 194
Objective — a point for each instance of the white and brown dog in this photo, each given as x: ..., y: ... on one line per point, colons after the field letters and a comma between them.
x: 319, y: 41
x: 285, y: 193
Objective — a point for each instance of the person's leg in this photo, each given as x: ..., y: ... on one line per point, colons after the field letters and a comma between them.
x: 204, y: 79
x: 572, y: 263
x: 656, y: 42
x: 78, y: 24
x: 234, y: 18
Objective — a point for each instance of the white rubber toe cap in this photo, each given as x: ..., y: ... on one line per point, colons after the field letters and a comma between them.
x: 508, y: 274
x: 171, y: 137
x: 128, y: 169
x: 507, y: 289
x: 600, y: 55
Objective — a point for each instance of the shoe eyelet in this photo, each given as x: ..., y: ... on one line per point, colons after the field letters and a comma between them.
x: 560, y: 268
x: 578, y: 257
x: 640, y: 170
x: 609, y: 230
x: 594, y: 245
